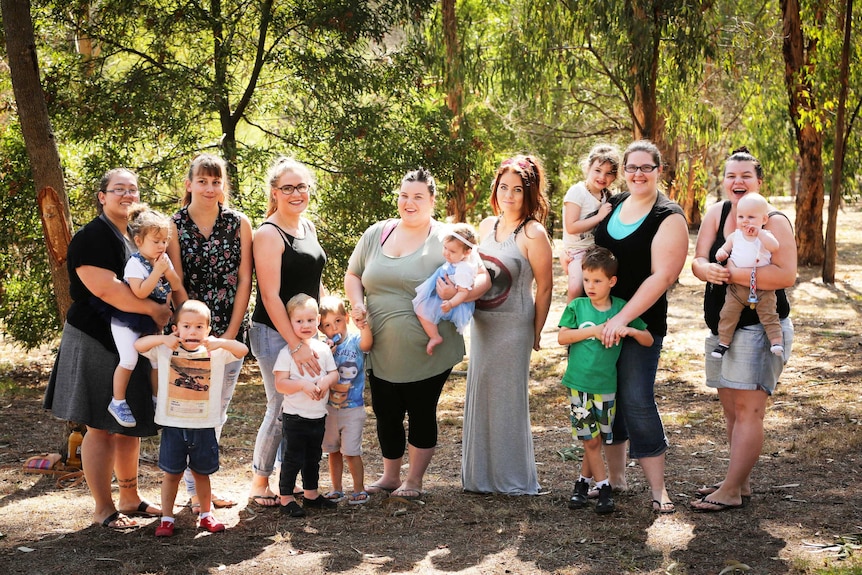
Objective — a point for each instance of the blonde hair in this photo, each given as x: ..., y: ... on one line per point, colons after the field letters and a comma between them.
x: 299, y: 301
x: 281, y: 165
x: 460, y: 232
x: 194, y: 306
x: 332, y: 305
x: 144, y: 221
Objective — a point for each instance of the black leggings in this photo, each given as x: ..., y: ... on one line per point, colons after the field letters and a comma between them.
x: 418, y: 400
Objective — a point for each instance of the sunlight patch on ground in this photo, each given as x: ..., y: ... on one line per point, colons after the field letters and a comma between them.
x: 668, y: 534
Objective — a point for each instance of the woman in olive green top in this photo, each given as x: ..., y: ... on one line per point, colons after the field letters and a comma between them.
x: 391, y: 259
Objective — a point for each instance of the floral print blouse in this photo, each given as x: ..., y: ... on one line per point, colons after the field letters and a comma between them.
x: 211, y: 265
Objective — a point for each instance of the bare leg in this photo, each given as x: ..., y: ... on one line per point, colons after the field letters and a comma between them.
x: 336, y: 470
x: 121, y: 382
x: 434, y: 337
x: 576, y: 281
x: 391, y: 477
x: 654, y: 471
x: 357, y: 472
x: 170, y: 484
x: 592, y: 465
x: 127, y: 450
x: 420, y: 459
x: 616, y: 458
x: 746, y: 443
x: 204, y: 489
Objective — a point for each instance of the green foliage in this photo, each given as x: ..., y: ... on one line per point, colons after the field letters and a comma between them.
x: 28, y: 311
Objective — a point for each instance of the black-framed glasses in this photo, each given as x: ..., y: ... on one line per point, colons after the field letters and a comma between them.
x: 123, y: 192
x: 645, y: 169
x: 288, y: 190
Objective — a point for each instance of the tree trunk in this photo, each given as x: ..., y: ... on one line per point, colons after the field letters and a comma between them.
x: 457, y: 189
x: 838, y: 159
x: 799, y: 60
x: 40, y: 143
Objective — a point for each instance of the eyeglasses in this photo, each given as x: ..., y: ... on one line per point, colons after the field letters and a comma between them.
x: 645, y: 169
x: 123, y: 192
x: 288, y: 190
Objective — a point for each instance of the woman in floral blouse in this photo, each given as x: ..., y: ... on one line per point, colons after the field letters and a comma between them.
x: 213, y: 258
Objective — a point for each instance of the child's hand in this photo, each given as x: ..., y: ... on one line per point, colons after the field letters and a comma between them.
x: 446, y: 306
x: 604, y: 210
x: 359, y: 315
x: 751, y: 231
x: 171, y: 341
x: 311, y: 390
x: 721, y: 255
x: 323, y: 386
x: 211, y: 343
x: 161, y: 264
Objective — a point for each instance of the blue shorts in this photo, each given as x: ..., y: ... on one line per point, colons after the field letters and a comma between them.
x: 196, y: 449
x: 748, y: 364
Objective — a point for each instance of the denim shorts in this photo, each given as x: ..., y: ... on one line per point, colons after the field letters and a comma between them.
x: 748, y: 364
x: 196, y: 449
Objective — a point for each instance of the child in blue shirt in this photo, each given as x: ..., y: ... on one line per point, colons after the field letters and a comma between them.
x: 346, y: 407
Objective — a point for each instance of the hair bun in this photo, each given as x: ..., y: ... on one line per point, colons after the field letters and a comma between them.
x: 741, y: 150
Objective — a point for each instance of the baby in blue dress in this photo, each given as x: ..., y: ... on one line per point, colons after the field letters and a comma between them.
x: 461, y: 268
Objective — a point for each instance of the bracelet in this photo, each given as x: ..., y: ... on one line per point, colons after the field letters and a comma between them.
x: 293, y: 351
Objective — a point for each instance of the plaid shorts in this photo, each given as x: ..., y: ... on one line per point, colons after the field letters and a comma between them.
x: 592, y: 415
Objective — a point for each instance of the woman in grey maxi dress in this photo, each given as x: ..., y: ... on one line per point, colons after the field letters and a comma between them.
x: 498, y: 452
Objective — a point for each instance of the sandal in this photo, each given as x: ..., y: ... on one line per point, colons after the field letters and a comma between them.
x: 119, y: 522
x: 142, y: 510
x: 263, y: 501
x: 337, y: 496
x: 665, y: 508
x: 359, y: 498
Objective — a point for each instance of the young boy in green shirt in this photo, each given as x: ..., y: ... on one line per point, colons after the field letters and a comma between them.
x: 591, y: 374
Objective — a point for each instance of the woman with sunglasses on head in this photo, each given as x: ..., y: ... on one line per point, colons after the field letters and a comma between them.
x: 289, y: 261
x: 390, y: 261
x: 507, y: 325
x: 648, y: 234
x: 80, y: 384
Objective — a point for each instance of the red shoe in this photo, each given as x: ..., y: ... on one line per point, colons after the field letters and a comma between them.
x: 165, y: 529
x: 211, y: 524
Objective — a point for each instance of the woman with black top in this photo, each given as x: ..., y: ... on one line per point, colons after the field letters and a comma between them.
x: 747, y: 374
x: 648, y: 234
x: 80, y: 384
x: 288, y: 261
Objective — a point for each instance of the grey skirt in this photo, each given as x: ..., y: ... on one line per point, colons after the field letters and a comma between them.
x: 81, y: 386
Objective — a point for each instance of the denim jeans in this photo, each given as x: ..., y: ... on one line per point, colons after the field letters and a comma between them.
x: 265, y: 345
x: 638, y: 419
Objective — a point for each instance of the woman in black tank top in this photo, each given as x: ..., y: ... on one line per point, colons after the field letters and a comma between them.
x: 746, y: 376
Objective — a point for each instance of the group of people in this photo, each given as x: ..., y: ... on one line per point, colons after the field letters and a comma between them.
x: 623, y: 251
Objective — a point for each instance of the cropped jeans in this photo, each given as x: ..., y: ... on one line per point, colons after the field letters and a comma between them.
x: 638, y: 419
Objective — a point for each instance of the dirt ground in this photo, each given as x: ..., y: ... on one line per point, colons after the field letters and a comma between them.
x: 805, y: 516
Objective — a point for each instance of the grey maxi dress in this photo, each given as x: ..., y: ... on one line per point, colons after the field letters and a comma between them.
x: 498, y: 442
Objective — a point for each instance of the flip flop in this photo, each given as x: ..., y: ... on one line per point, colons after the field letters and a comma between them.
x: 266, y: 501
x: 663, y: 508
x: 141, y: 510
x: 337, y: 496
x: 408, y: 494
x: 117, y: 518
x: 358, y: 498
x: 374, y: 488
x: 221, y: 503
x: 710, y: 489
x: 720, y: 506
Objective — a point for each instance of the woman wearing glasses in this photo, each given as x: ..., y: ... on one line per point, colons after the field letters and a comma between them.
x: 213, y: 258
x: 289, y: 261
x: 507, y: 325
x: 648, y: 234
x: 80, y: 384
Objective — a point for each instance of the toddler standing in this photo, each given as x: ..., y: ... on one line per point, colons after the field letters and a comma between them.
x: 345, y: 411
x: 304, y: 410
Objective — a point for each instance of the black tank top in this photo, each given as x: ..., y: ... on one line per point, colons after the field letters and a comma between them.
x: 713, y: 297
x: 301, y: 269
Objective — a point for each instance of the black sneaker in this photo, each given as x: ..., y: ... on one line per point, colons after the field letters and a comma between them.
x: 578, y: 500
x: 605, y: 503
x: 321, y: 502
x: 719, y: 351
x: 293, y: 509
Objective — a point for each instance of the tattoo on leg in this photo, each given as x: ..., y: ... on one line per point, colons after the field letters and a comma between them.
x: 128, y: 483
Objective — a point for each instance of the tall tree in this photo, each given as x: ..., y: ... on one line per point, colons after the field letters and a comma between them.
x: 40, y: 142
x: 800, y: 51
x: 838, y: 155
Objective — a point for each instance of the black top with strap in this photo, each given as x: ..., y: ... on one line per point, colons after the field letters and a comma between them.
x: 713, y: 296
